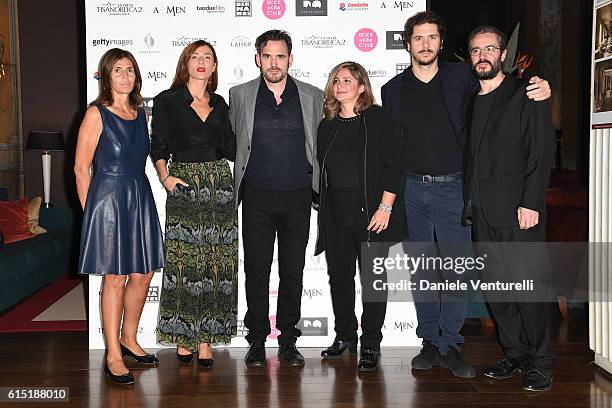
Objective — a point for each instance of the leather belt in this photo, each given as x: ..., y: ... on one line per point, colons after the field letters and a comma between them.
x: 426, y: 178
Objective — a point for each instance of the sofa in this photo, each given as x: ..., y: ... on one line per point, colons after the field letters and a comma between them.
x: 29, y: 265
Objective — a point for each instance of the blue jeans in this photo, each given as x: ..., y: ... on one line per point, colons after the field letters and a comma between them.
x: 433, y: 212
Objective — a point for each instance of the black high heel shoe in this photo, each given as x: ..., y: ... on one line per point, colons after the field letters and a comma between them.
x: 184, y: 358
x: 147, y: 359
x: 125, y: 379
x: 206, y: 362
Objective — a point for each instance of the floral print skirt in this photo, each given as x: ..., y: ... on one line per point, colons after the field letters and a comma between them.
x: 199, y: 297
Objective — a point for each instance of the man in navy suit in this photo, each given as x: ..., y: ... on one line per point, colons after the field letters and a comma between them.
x: 431, y: 102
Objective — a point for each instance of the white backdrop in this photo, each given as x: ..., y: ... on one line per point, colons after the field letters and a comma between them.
x: 324, y: 33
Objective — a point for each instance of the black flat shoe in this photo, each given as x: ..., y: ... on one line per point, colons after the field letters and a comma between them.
x: 289, y: 354
x: 256, y: 356
x: 368, y: 360
x: 184, y: 358
x: 537, y: 380
x: 125, y: 379
x: 505, y: 368
x: 147, y: 359
x: 206, y: 362
x: 338, y: 348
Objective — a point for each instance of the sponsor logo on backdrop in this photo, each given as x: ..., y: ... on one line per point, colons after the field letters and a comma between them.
x: 273, y: 292
x: 119, y: 9
x: 274, y: 332
x: 323, y: 41
x: 313, y: 326
x: 157, y: 75
x: 403, y: 326
x: 298, y: 73
x: 243, y: 9
x: 310, y: 293
x: 148, y: 105
x: 241, y: 330
x: 348, y: 6
x: 310, y: 8
x: 377, y: 73
x: 185, y: 41
x: 153, y: 294
x: 171, y: 10
x: 365, y: 39
x: 401, y: 5
x: 238, y: 76
x: 112, y: 42
x: 273, y: 9
x: 149, y: 44
x: 140, y: 330
x: 241, y: 41
x: 401, y: 67
x: 395, y: 40
x: 211, y: 8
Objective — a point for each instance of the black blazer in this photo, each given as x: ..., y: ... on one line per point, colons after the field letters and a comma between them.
x: 381, y: 170
x: 515, y: 156
x: 459, y: 86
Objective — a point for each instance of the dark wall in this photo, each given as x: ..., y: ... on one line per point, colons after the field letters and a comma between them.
x: 52, y: 59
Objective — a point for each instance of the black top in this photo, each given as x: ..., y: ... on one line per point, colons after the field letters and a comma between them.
x: 482, y: 109
x: 178, y: 130
x: 278, y: 159
x: 343, y: 156
x: 343, y: 170
x: 431, y: 144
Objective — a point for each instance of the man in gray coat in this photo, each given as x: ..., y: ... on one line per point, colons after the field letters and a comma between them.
x: 275, y: 119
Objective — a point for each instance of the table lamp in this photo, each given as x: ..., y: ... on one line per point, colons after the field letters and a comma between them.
x: 46, y: 142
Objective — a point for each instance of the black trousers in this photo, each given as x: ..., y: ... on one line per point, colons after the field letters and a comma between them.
x: 523, y: 323
x: 343, y: 247
x: 264, y: 215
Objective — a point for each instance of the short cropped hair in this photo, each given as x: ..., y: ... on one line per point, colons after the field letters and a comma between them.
x: 502, y: 39
x: 273, y: 35
x: 424, y: 17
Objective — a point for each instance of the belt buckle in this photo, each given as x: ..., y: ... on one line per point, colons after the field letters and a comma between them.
x: 427, y: 178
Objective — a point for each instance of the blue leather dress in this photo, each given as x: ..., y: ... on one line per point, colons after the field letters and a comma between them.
x: 121, y: 233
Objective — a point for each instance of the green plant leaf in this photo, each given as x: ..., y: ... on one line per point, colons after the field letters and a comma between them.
x: 511, y: 52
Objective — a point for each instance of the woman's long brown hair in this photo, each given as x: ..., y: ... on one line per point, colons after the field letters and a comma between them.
x: 105, y: 67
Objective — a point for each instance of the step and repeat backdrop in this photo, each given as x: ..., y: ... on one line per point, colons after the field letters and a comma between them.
x: 324, y: 33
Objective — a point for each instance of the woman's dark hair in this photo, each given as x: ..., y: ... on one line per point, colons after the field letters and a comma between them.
x: 181, y: 77
x: 501, y: 37
x: 105, y: 67
x: 273, y: 35
x: 424, y: 17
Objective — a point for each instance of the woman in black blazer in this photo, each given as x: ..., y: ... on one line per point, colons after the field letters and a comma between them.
x: 360, y: 181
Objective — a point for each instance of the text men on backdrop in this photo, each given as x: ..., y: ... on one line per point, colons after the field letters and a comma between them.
x: 275, y: 119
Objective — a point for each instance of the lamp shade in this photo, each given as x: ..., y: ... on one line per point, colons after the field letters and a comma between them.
x: 43, y: 140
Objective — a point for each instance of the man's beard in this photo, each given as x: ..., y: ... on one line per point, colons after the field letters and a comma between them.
x: 487, y: 75
x: 274, y: 79
x: 434, y: 57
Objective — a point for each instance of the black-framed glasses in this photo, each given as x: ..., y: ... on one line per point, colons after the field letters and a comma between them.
x: 488, y: 50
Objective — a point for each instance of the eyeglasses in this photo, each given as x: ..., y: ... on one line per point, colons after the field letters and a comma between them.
x: 488, y: 50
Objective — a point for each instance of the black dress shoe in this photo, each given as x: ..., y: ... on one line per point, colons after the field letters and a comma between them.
x: 125, y: 379
x: 337, y: 348
x: 289, y: 354
x: 505, y: 368
x: 427, y: 357
x: 256, y: 356
x: 147, y: 359
x: 537, y: 380
x: 368, y: 360
x: 454, y: 362
x: 184, y: 358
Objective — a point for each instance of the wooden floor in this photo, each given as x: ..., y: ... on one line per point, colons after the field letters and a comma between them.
x: 62, y: 359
